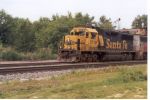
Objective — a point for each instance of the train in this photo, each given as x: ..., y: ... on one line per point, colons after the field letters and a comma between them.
x: 92, y: 44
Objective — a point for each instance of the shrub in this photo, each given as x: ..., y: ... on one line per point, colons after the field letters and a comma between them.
x: 11, y: 55
x: 44, y: 54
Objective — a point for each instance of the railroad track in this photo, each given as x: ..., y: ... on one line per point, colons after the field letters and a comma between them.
x: 6, y: 68
x: 29, y: 63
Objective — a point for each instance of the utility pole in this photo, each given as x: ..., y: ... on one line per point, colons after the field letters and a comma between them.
x: 117, y: 23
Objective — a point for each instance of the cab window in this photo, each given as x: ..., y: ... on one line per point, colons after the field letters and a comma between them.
x: 72, y: 33
x: 93, y: 35
x: 81, y: 33
x: 87, y: 35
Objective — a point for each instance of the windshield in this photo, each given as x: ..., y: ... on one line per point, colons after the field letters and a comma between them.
x: 81, y: 33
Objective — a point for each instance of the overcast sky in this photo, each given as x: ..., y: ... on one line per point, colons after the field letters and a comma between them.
x: 127, y: 10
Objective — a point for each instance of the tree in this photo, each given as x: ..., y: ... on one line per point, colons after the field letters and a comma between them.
x: 140, y: 22
x: 25, y: 38
x: 41, y: 29
x: 6, y: 24
x: 105, y: 23
x: 83, y: 19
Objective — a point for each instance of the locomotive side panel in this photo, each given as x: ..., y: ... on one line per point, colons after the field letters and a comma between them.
x: 129, y: 40
x: 116, y: 41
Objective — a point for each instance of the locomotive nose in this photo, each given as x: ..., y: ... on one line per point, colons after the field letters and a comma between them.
x: 70, y: 42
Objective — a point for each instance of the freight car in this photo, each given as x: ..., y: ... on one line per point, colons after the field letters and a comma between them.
x: 91, y: 44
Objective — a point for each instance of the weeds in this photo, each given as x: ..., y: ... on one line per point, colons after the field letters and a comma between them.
x: 10, y: 54
x: 13, y: 55
x: 132, y: 76
x: 127, y: 75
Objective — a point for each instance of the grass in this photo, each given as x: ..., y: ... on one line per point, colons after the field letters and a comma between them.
x: 125, y: 82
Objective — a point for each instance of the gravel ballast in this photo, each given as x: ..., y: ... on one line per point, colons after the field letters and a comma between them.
x: 39, y: 75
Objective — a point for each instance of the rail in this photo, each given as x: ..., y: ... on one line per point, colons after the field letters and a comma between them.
x: 6, y: 68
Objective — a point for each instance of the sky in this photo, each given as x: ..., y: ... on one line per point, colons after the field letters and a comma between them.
x: 127, y: 10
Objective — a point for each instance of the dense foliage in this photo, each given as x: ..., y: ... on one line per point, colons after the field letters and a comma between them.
x: 140, y: 22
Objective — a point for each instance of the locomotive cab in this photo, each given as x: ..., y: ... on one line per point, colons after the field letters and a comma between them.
x: 81, y: 39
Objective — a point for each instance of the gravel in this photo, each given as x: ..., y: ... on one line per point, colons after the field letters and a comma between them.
x: 32, y: 75
x: 40, y: 74
x: 37, y: 75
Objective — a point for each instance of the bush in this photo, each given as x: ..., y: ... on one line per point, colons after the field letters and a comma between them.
x: 43, y: 54
x: 11, y: 56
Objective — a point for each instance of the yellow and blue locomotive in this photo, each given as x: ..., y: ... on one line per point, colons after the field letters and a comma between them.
x: 91, y: 44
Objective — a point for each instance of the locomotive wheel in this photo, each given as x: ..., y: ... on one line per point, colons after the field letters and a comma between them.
x: 90, y: 58
x: 129, y: 57
x: 124, y: 57
x: 94, y: 58
x: 73, y: 59
x: 83, y: 58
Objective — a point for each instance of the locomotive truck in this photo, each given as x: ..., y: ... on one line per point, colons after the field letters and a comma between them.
x: 92, y: 44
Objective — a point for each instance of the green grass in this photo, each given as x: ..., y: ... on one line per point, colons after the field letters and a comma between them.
x: 126, y: 82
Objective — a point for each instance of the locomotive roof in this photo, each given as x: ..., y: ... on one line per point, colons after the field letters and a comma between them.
x: 85, y: 28
x: 100, y: 30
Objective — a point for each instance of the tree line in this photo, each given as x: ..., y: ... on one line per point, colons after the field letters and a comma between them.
x: 27, y: 36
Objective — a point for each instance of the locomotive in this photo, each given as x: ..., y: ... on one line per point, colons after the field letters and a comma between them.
x: 92, y: 44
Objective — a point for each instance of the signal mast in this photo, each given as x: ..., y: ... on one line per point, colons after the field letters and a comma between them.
x: 117, y: 23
